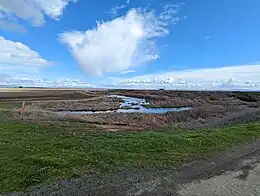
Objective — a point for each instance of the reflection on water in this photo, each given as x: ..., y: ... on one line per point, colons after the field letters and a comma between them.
x: 134, y: 105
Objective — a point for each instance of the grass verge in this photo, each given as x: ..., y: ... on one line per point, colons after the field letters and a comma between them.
x: 10, y: 105
x: 31, y: 154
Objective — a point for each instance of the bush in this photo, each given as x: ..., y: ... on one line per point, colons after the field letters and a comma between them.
x: 247, y: 96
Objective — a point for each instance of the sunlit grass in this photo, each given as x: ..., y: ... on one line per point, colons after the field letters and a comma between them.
x: 31, y: 154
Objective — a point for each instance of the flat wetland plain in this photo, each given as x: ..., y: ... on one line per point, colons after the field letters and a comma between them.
x: 46, y: 152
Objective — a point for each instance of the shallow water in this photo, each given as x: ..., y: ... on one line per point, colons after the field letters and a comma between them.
x: 135, y: 103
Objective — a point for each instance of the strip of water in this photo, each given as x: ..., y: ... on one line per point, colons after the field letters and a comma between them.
x: 133, y: 105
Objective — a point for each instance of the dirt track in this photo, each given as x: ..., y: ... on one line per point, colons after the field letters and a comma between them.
x: 241, y: 176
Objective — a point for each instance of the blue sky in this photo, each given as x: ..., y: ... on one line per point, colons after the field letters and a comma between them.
x: 131, y: 44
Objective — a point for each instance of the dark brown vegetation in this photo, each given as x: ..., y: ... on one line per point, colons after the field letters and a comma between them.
x: 91, y: 104
x: 209, y: 108
x: 189, y: 98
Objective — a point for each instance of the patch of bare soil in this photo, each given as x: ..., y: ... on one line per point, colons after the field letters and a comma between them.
x: 230, y: 173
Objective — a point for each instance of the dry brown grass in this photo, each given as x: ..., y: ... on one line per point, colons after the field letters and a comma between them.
x: 208, y: 106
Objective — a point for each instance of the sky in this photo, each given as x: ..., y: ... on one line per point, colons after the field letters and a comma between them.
x: 151, y: 44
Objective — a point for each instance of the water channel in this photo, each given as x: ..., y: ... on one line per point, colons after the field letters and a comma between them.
x: 134, y: 105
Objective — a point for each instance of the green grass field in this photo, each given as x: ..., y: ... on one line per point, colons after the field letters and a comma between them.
x: 32, y: 154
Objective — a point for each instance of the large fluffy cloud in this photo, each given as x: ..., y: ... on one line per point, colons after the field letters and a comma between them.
x: 16, y: 55
x: 243, y: 77
x: 33, y: 11
x: 122, y: 43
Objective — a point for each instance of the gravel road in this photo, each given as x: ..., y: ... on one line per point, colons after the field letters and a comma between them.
x: 242, y: 182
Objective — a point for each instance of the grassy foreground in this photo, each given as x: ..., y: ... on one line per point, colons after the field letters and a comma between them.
x: 31, y: 154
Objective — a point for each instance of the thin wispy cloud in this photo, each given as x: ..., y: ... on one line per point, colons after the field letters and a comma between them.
x: 9, y: 26
x: 114, y: 11
x: 122, y: 43
x: 2, y: 78
x: 33, y: 11
x: 128, y: 71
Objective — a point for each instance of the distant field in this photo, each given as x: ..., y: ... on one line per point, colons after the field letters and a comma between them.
x: 39, y: 89
x: 43, y: 93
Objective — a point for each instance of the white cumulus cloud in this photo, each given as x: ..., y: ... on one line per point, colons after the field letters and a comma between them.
x: 242, y: 77
x: 16, y: 55
x: 121, y: 43
x: 33, y: 11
